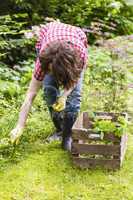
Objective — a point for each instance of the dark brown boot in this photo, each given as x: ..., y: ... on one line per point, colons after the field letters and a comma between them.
x: 68, y: 121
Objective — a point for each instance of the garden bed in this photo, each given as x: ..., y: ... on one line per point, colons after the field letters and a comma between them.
x: 92, y: 147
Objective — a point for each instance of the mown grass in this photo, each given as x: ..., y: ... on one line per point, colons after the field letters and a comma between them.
x: 42, y: 171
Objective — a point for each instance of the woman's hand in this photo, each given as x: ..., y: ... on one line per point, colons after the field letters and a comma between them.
x: 60, y: 104
x: 15, y: 134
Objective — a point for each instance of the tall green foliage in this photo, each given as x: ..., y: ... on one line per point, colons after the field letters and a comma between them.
x: 13, y: 44
x: 107, y: 75
x: 111, y: 17
x: 14, y: 49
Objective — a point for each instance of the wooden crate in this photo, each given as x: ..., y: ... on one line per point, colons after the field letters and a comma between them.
x: 89, y: 150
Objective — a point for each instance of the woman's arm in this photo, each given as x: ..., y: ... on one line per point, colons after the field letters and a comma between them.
x: 30, y: 96
x: 25, y: 109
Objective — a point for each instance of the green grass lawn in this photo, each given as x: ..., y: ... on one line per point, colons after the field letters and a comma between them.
x: 44, y: 171
x: 41, y: 171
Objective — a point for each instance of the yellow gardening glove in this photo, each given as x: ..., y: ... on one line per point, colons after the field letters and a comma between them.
x: 60, y: 104
x: 16, y: 134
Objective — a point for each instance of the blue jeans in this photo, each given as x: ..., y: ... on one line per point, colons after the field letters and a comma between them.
x: 52, y: 92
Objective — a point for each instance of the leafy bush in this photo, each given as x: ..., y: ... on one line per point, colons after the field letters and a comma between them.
x: 106, y: 83
x: 14, y: 48
x: 118, y: 127
x: 14, y: 82
x: 101, y: 17
x: 13, y: 45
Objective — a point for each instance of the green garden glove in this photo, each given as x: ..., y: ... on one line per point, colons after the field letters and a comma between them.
x: 60, y: 104
x: 16, y: 134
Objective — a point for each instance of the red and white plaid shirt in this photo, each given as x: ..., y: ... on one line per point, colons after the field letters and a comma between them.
x: 63, y: 32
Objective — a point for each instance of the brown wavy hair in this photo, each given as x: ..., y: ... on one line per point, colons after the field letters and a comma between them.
x: 64, y: 61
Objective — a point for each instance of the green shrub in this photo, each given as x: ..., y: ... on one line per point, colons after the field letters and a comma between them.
x: 106, y: 77
x: 107, y: 126
x: 102, y: 18
x: 13, y: 45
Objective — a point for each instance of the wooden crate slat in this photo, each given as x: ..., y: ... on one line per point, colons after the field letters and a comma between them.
x: 123, y: 146
x: 92, y: 163
x: 106, y: 114
x: 110, y: 115
x: 82, y: 134
x: 111, y: 137
x: 79, y: 122
x: 96, y: 149
x: 86, y: 120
